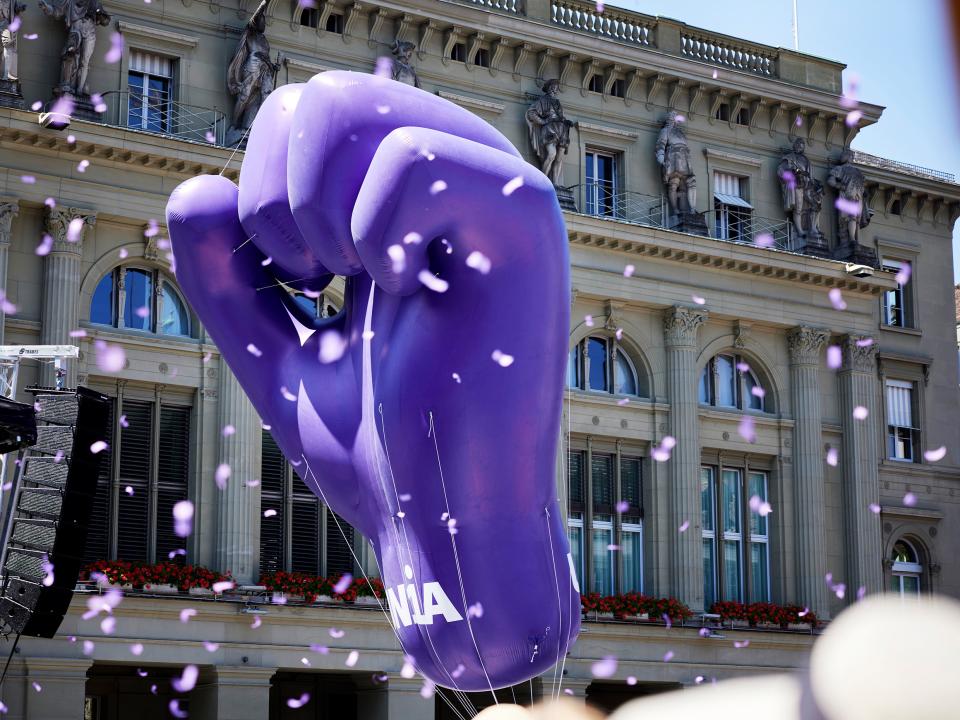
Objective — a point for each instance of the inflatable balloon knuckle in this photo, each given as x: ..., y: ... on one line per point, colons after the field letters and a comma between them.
x: 426, y: 412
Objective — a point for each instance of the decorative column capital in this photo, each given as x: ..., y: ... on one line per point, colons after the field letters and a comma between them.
x: 680, y: 326
x: 805, y: 344
x: 8, y: 211
x: 859, y: 353
x: 66, y: 226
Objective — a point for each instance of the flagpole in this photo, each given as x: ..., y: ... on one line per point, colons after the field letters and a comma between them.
x: 796, y: 32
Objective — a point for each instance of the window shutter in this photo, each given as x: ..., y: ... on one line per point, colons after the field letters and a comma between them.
x: 726, y: 184
x: 98, y: 533
x: 900, y: 403
x: 150, y: 64
x: 273, y: 471
x: 339, y: 545
x: 173, y: 473
x: 575, y: 464
x: 602, y: 479
x: 136, y: 446
x: 304, y: 530
x: 630, y: 483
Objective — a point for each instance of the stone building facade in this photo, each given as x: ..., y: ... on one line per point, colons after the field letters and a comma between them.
x: 716, y: 373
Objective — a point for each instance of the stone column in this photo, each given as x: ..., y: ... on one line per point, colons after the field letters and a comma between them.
x: 63, y: 683
x: 860, y: 456
x: 683, y: 469
x: 8, y: 211
x: 237, y: 692
x: 404, y: 701
x: 238, y: 515
x: 60, y: 311
x: 806, y: 347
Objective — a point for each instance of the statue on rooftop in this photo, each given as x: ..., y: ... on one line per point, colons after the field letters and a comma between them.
x: 9, y: 25
x: 403, y: 70
x: 852, y: 208
x: 679, y: 179
x: 802, y: 193
x: 549, y: 131
x: 81, y: 18
x: 252, y: 75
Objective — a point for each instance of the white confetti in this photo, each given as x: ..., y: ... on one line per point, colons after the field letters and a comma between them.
x: 352, y: 658
x: 512, y: 186
x: 438, y: 186
x: 860, y: 412
x: 222, y: 475
x: 502, y: 359
x: 186, y: 682
x: 479, y: 262
x: 432, y: 282
x: 183, y: 518
x: 398, y: 258
x: 254, y: 350
x: 298, y: 702
x: 98, y: 447
x: 935, y: 455
x: 332, y: 346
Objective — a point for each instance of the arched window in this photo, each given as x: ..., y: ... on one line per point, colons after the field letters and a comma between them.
x: 906, y: 569
x: 727, y: 381
x: 316, y: 305
x: 600, y: 364
x: 133, y: 298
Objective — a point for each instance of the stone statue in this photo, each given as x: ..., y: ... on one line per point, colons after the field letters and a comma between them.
x: 802, y: 194
x: 852, y: 207
x: 251, y: 75
x: 81, y: 18
x: 549, y: 131
x: 9, y: 24
x: 679, y: 180
x: 402, y: 68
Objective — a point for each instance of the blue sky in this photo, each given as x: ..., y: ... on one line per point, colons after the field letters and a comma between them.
x: 900, y: 50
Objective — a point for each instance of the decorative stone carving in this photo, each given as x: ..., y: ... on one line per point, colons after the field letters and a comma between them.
x: 802, y: 198
x: 613, y: 323
x: 10, y: 94
x: 403, y: 70
x: 741, y: 333
x: 680, y: 326
x: 8, y: 211
x: 252, y: 75
x: 81, y: 18
x: 805, y: 345
x: 67, y: 227
x: 679, y: 180
x: 853, y: 211
x: 859, y: 353
x: 549, y: 131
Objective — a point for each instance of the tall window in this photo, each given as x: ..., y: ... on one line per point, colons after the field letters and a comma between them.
x: 150, y: 88
x: 482, y: 58
x: 335, y: 23
x: 903, y: 431
x: 309, y: 17
x: 297, y: 532
x: 728, y: 381
x: 896, y: 308
x: 731, y: 208
x: 139, y: 299
x: 459, y: 52
x: 613, y: 546
x: 906, y: 569
x: 729, y: 574
x: 598, y: 363
x: 143, y: 474
x: 602, y: 191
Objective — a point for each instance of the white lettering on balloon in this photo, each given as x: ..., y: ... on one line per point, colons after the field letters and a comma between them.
x: 405, y: 605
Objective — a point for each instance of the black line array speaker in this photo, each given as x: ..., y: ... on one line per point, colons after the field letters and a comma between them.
x: 50, y: 509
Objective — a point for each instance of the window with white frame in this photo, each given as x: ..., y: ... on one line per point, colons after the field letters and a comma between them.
x: 729, y: 575
x: 602, y: 184
x: 903, y: 432
x: 612, y: 549
x: 727, y: 381
x: 598, y: 363
x: 896, y: 309
x: 135, y: 298
x: 731, y: 208
x: 906, y: 569
x: 150, y: 92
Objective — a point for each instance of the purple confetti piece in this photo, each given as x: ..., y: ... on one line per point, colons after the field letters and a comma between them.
x: 860, y: 412
x: 136, y: 649
x: 479, y: 262
x: 832, y: 457
x: 186, y: 614
x: 848, y: 207
x: 352, y: 658
x: 834, y: 357
x: 684, y: 526
x: 853, y: 117
x: 332, y: 346
x: 874, y: 508
x: 110, y: 358
x: 861, y: 592
x: 740, y: 644
x: 836, y: 299
x: 183, y: 518
x: 763, y: 240
x: 98, y: 104
x: 903, y: 276
x: 502, y: 359
x: 222, y: 475
x: 668, y: 656
x: 935, y: 455
x: 628, y: 271
x: 88, y: 647
x: 384, y: 67
x: 512, y: 186
x: 174, y: 707
x: 45, y: 246
x: 223, y: 586
x: 343, y: 583
x: 116, y: 48
x: 298, y: 702
x: 336, y: 634
x: 28, y: 179
x: 588, y: 320
x: 187, y: 681
x: 909, y: 499
x: 746, y: 429
x: 432, y: 282
x: 623, y: 506
x: 254, y: 350
x: 698, y: 300
x: 865, y: 342
x: 211, y: 646
x: 605, y: 668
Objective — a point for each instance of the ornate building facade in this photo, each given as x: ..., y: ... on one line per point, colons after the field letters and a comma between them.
x: 762, y: 367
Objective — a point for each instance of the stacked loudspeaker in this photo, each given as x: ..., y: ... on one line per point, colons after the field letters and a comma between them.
x: 46, y: 518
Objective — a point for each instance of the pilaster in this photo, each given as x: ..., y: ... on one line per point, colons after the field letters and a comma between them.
x: 859, y: 387
x: 680, y: 326
x: 8, y: 211
x: 238, y: 506
x: 805, y: 346
x: 237, y: 692
x: 61, y: 284
x: 404, y: 701
x: 62, y: 683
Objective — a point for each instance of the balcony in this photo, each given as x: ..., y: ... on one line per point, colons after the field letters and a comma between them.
x: 161, y: 115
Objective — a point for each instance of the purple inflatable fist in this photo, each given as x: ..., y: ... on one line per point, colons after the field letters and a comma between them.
x: 427, y: 412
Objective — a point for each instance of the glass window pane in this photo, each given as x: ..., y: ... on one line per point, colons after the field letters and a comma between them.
x: 705, y: 384
x: 911, y: 585
x: 575, y: 470
x: 709, y: 574
x: 726, y: 381
x: 605, y: 169
x: 731, y: 570
x: 706, y: 499
x: 731, y: 501
x: 174, y: 319
x: 601, y: 478
x: 626, y: 381
x: 758, y: 488
x: 755, y: 392
x: 597, y: 356
x: 631, y: 555
x: 135, y: 113
x: 759, y: 573
x: 101, y: 307
x: 573, y: 367
x: 138, y: 307
x: 309, y: 305
x: 600, y: 540
x: 575, y: 535
x: 630, y: 482
x: 158, y: 105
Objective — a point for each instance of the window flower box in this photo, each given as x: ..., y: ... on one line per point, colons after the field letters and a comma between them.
x: 366, y: 600
x: 734, y: 623
x: 161, y: 589
x: 804, y: 627
x: 200, y: 592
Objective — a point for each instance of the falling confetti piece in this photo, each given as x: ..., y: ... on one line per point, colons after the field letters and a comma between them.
x: 98, y: 104
x: 740, y: 644
x: 174, y: 708
x: 903, y: 277
x: 88, y: 647
x: 668, y: 656
x: 223, y: 586
x: 186, y: 682
x: 853, y: 117
x: 909, y: 499
x: 684, y: 526
x: 935, y: 455
x: 108, y: 625
x: 332, y: 346
x: 412, y: 238
x: 628, y: 271
x: 747, y: 430
x: 78, y: 333
x: 479, y: 262
x: 624, y: 401
x: 269, y: 513
x: 836, y: 299
x: 699, y: 300
x: 28, y: 179
x: 763, y: 240
x: 432, y: 282
x: 623, y: 506
x: 475, y: 610
x: 456, y: 376
x: 848, y: 207
x: 211, y: 646
x: 874, y: 508
x: 605, y: 668
x: 98, y: 447
x: 110, y: 358
x: 36, y: 106
x: 45, y: 246
x: 186, y: 614
x: 47, y: 572
x: 588, y: 320
x: 437, y: 187
x: 427, y: 690
x: 83, y: 165
x: 183, y: 518
x: 254, y: 350
x: 512, y: 186
x: 222, y: 475
x: 860, y: 412
x: 257, y: 622
x: 136, y: 649
x: 298, y: 702
x: 37, y: 686
x: 834, y: 357
x: 116, y: 48
x: 74, y: 229
x: 352, y: 658
x: 398, y: 257
x: 832, y: 457
x: 287, y: 395
x: 865, y: 342
x: 502, y: 359
x: 336, y: 634
x: 173, y: 553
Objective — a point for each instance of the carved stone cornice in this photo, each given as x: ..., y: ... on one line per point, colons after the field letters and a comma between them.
x: 58, y: 221
x: 680, y: 326
x: 805, y: 345
x: 8, y: 211
x: 859, y: 353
